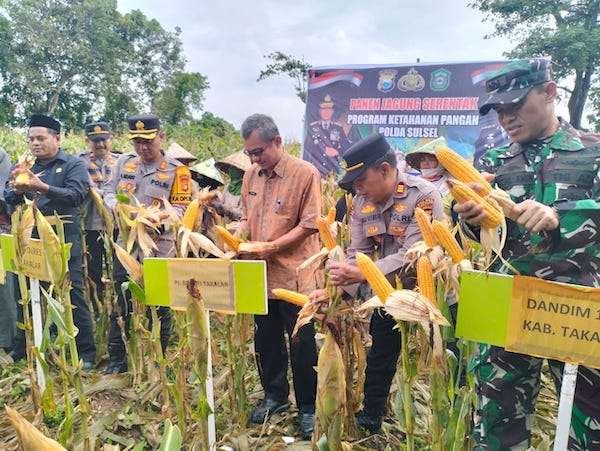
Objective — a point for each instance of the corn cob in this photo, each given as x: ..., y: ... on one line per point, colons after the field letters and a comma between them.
x: 331, y: 216
x: 290, y: 296
x: 231, y: 241
x: 22, y: 179
x: 425, y: 278
x: 463, y: 193
x: 460, y: 168
x: 381, y: 286
x: 425, y: 227
x: 189, y: 217
x: 448, y: 241
x: 325, y: 232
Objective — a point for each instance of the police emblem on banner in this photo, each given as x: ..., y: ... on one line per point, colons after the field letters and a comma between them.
x: 411, y: 81
x: 387, y: 80
x: 440, y: 80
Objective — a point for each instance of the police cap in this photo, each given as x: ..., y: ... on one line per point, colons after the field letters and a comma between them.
x: 97, y: 131
x: 360, y: 156
x: 145, y: 126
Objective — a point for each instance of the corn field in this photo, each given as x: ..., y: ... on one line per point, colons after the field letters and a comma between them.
x: 162, y: 403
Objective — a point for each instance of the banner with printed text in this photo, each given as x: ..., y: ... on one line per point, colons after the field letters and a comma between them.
x: 410, y: 104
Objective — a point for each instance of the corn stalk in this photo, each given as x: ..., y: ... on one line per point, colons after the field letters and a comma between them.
x: 198, y: 339
x: 57, y: 255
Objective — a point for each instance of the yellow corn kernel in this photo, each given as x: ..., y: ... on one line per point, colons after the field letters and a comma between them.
x: 425, y: 278
x: 460, y: 168
x: 463, y: 192
x: 22, y: 179
x: 290, y: 296
x: 380, y: 285
x: 331, y: 215
x: 325, y: 232
x: 189, y: 217
x: 425, y: 227
x: 448, y: 241
x: 231, y: 241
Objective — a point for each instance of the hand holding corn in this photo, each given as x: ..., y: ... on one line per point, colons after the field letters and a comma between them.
x: 257, y: 250
x: 23, y: 181
x: 535, y: 216
x: 344, y: 273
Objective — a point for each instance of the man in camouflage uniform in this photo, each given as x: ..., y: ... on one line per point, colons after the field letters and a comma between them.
x: 98, y: 160
x: 150, y: 176
x: 327, y: 140
x: 383, y: 225
x: 554, y: 180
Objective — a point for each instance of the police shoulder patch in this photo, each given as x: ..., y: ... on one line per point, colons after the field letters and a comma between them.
x: 426, y: 204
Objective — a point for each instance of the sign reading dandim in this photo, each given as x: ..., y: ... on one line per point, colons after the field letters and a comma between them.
x: 531, y: 316
x: 555, y: 320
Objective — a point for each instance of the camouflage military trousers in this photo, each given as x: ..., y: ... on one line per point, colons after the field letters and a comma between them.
x: 507, y: 385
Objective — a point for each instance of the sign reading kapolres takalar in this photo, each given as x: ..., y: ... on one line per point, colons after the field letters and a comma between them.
x: 410, y: 104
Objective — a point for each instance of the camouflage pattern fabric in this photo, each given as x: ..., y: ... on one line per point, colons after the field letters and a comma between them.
x: 561, y: 172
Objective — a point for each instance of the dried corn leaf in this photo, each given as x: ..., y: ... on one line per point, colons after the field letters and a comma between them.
x: 30, y: 438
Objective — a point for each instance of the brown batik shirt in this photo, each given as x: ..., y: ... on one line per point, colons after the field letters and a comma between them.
x: 272, y: 206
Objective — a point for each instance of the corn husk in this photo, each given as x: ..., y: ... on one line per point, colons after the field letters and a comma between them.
x: 24, y: 221
x: 130, y: 263
x: 331, y: 391
x: 53, y: 252
x: 194, y: 242
x: 254, y: 247
x: 407, y: 305
x: 30, y: 438
x: 104, y: 213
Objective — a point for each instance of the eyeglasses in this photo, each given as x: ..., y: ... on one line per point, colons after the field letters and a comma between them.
x: 258, y: 151
x: 255, y: 152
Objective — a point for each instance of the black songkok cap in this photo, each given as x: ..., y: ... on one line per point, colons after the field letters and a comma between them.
x: 39, y: 120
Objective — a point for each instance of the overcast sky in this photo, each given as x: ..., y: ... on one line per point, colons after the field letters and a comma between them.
x: 226, y: 41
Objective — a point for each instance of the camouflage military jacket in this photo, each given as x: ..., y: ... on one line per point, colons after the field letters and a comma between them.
x: 560, y: 172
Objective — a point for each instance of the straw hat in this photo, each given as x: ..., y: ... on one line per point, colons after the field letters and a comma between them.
x: 179, y: 153
x: 238, y: 160
x: 207, y: 169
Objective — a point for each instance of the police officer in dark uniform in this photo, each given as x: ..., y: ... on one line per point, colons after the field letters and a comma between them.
x: 151, y: 176
x: 98, y: 160
x: 326, y: 140
x: 383, y: 225
x: 61, y: 186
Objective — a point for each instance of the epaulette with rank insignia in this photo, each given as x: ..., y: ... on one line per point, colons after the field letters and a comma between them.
x: 400, y: 189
